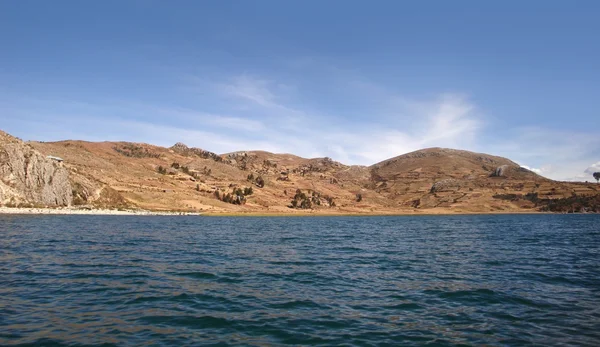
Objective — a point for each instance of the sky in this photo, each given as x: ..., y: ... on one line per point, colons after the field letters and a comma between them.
x: 358, y: 81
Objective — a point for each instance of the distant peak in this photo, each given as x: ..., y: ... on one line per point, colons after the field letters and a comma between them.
x: 179, y: 145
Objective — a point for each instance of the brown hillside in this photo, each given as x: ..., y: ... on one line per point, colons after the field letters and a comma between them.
x: 433, y: 180
x: 465, y: 181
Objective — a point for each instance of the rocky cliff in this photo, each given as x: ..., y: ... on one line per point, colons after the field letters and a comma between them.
x: 28, y: 177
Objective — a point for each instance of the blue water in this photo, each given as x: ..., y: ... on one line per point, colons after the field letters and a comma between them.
x: 461, y: 280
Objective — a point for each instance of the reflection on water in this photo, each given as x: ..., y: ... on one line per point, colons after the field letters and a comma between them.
x: 510, y: 280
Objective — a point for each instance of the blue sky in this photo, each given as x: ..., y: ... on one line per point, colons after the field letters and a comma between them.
x: 359, y: 81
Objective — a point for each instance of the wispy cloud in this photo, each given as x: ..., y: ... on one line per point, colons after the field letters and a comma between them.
x: 447, y: 121
x: 251, y: 89
x: 250, y: 112
x: 561, y: 155
x: 211, y: 120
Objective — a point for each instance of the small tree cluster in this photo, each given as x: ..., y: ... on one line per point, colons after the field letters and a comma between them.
x: 161, y: 170
x: 304, y: 201
x: 329, y: 200
x: 258, y: 180
x: 236, y: 197
x: 597, y: 176
x: 301, y: 200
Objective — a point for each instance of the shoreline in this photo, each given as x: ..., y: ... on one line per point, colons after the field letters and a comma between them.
x: 102, y: 212
x: 112, y: 212
x: 374, y: 214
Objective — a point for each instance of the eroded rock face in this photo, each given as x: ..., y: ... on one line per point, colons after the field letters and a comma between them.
x: 500, y: 171
x: 27, y: 176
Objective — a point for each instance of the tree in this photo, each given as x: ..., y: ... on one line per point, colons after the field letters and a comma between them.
x: 358, y: 197
x: 597, y: 176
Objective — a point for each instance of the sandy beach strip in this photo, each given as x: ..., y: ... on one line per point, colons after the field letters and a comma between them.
x: 71, y: 211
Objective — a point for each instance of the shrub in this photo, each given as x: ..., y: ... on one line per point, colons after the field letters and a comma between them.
x: 303, y: 201
x: 260, y: 182
x: 134, y: 151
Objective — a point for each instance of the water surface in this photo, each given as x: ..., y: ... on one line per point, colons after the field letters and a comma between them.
x: 438, y: 280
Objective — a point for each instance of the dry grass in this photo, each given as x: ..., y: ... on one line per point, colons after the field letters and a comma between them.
x: 398, y: 186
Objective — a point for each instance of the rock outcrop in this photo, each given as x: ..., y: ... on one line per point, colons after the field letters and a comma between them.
x: 183, y: 149
x: 500, y: 171
x: 28, y: 177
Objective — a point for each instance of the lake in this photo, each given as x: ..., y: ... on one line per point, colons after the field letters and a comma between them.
x: 439, y: 280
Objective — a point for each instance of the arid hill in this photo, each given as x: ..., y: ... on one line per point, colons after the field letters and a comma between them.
x: 180, y: 178
x: 29, y: 178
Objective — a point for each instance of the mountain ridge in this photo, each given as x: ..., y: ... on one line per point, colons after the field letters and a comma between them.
x: 432, y: 180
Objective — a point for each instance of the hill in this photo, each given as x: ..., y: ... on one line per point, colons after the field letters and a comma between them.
x: 182, y: 178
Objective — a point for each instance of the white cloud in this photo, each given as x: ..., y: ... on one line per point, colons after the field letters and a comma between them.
x: 537, y: 171
x: 560, y: 155
x: 267, y: 123
x: 448, y: 121
x: 251, y: 113
x: 593, y: 168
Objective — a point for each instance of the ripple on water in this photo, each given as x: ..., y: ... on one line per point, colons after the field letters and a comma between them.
x: 444, y: 281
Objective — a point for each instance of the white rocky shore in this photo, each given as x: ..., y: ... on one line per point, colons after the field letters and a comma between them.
x: 71, y: 210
